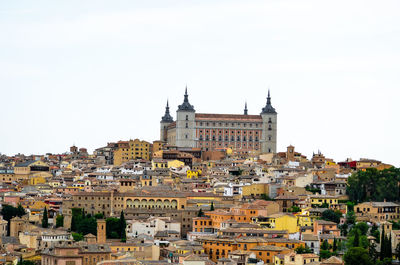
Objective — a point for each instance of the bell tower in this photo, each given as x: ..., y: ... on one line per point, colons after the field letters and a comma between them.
x: 165, y: 121
x: 269, y: 128
x: 101, y: 231
x: 185, y: 124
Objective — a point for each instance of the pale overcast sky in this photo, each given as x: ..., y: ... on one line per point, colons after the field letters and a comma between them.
x: 92, y: 72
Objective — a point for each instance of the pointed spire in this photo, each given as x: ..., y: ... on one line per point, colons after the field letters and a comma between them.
x: 186, y: 105
x: 245, y: 108
x: 167, y: 117
x: 268, y: 108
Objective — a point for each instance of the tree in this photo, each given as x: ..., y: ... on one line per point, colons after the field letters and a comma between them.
x: 373, y: 253
x: 45, y: 219
x: 383, y: 244
x: 294, y: 209
x: 99, y: 216
x: 60, y: 220
x: 330, y: 215
x: 25, y: 262
x: 200, y: 213
x: 362, y: 227
x: 397, y: 251
x: 122, y: 227
x: 325, y: 245
x: 77, y: 236
x: 375, y: 232
x: 356, y: 241
x: 20, y: 211
x: 334, y: 247
x: 303, y: 250
x: 343, y: 229
x: 112, y: 227
x: 8, y: 212
x: 357, y: 256
x: 350, y: 217
x: 374, y: 185
x: 389, y: 253
x: 212, y: 206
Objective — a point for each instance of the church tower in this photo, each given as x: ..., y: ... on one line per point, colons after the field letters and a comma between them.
x: 269, y: 129
x: 165, y: 121
x: 185, y: 124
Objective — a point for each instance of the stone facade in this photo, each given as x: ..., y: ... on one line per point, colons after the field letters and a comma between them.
x: 213, y: 131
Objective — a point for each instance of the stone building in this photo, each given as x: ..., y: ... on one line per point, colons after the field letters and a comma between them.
x: 213, y: 131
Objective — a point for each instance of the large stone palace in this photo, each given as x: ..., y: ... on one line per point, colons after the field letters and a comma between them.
x: 213, y: 131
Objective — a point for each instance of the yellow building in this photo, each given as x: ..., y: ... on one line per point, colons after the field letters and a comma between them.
x: 36, y: 180
x: 257, y: 189
x: 193, y: 174
x: 163, y: 163
x: 24, y: 170
x: 131, y: 150
x: 332, y: 201
x: 279, y: 221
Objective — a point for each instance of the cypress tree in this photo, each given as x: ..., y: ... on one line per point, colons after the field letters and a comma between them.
x: 45, y: 219
x: 383, y: 244
x: 212, y: 206
x: 334, y: 248
x: 356, y: 242
x: 200, y: 213
x: 122, y: 227
x: 389, y: 247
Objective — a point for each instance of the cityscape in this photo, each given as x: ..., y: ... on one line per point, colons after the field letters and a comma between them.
x: 150, y: 172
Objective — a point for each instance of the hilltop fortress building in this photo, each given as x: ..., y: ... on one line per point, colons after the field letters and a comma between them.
x: 213, y: 131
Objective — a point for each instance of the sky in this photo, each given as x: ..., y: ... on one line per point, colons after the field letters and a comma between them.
x: 91, y: 72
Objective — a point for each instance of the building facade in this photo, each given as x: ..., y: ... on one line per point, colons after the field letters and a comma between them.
x: 131, y: 150
x: 213, y: 131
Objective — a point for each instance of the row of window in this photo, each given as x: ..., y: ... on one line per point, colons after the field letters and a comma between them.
x: 226, y: 124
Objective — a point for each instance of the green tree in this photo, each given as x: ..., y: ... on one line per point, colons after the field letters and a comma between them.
x: 8, y: 212
x: 350, y: 217
x: 325, y: 245
x: 122, y: 227
x: 294, y: 209
x: 334, y: 247
x: 112, y: 227
x: 362, y: 227
x: 357, y: 256
x: 200, y: 213
x: 99, y: 216
x: 343, y: 229
x: 375, y: 232
x: 212, y: 206
x: 356, y: 240
x: 350, y: 206
x: 20, y: 211
x: 60, y: 220
x: 330, y: 215
x: 25, y: 262
x: 77, y: 236
x: 389, y: 253
x: 397, y: 251
x: 303, y: 250
x: 373, y: 253
x: 45, y: 219
x: 373, y: 184
x: 383, y: 244
x: 325, y: 254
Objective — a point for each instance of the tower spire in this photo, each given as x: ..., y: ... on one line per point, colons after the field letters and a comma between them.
x: 268, y: 107
x: 186, y: 105
x: 167, y: 117
x: 245, y: 108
